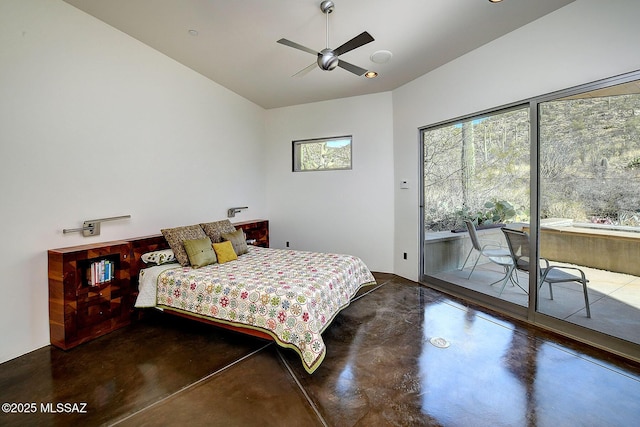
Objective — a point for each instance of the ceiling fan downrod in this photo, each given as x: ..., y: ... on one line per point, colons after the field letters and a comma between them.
x: 327, y: 60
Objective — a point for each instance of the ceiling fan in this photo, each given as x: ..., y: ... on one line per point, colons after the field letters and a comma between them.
x: 328, y: 58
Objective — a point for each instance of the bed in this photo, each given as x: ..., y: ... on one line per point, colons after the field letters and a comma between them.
x: 284, y: 295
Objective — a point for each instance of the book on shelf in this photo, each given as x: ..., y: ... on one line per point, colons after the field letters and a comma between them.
x: 101, y: 272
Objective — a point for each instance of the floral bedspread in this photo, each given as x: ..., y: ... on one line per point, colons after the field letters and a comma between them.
x: 291, y: 295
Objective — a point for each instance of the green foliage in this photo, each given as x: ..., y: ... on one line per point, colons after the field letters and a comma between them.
x: 445, y: 218
x: 590, y: 159
x: 634, y: 163
x: 496, y: 211
x: 500, y: 210
x: 497, y: 169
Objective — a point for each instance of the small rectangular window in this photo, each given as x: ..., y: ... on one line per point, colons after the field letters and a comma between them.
x: 322, y: 154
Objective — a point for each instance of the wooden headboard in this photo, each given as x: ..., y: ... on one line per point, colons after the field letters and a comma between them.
x: 257, y: 230
x: 139, y: 246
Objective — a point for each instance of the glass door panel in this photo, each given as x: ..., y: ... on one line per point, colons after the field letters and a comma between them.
x: 589, y: 156
x: 477, y: 170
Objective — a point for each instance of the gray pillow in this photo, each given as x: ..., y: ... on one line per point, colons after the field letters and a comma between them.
x: 176, y: 237
x: 215, y: 229
x: 238, y: 240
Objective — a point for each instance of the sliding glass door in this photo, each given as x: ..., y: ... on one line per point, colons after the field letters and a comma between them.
x: 589, y: 158
x: 476, y: 170
x: 563, y: 172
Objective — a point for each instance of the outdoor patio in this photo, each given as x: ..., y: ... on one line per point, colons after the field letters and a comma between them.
x: 614, y: 298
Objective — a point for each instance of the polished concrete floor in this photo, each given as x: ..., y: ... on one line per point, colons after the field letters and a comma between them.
x: 400, y: 355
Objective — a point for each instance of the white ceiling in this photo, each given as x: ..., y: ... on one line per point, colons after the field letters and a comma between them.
x: 236, y: 42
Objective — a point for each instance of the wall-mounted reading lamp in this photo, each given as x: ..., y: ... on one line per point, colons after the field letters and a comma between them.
x: 91, y: 227
x: 231, y: 212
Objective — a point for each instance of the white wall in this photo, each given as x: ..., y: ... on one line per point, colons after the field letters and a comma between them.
x: 334, y: 211
x: 585, y: 41
x: 95, y: 124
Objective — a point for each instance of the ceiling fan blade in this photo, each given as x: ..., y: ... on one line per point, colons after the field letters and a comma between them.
x: 352, y: 68
x: 357, y: 41
x: 305, y: 70
x: 297, y: 46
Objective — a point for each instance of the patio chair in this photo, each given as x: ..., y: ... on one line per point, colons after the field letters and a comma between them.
x: 518, y: 242
x: 492, y: 250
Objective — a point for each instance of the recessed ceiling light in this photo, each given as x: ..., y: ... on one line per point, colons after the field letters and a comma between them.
x: 495, y: 1
x: 371, y: 74
x: 193, y: 33
x: 381, y: 56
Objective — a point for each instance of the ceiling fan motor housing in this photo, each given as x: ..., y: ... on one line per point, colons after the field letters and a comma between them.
x: 327, y: 60
x: 327, y: 6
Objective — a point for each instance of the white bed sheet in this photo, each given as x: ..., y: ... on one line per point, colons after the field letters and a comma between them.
x: 148, y: 285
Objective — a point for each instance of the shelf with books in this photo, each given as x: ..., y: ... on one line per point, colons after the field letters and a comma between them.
x: 99, y: 271
x: 89, y: 291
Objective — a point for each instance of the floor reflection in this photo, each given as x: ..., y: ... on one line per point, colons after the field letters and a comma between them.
x: 477, y: 355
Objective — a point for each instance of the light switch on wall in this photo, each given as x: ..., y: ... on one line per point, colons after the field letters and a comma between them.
x: 404, y: 184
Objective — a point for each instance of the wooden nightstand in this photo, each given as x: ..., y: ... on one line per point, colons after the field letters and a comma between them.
x: 257, y: 230
x: 82, y: 305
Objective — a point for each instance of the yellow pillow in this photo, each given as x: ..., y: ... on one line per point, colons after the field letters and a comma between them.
x: 224, y: 252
